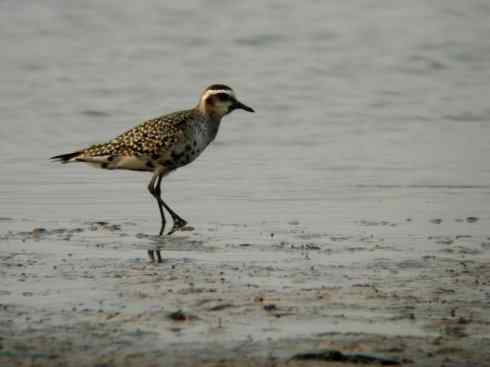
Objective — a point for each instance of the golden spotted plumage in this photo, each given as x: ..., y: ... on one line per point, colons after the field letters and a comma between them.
x: 151, y: 138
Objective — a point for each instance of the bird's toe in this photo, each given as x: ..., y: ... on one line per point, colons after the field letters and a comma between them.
x: 178, y: 224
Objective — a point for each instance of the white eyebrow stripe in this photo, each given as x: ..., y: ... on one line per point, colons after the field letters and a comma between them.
x: 216, y: 91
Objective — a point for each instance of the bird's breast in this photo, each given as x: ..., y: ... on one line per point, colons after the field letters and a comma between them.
x: 197, y: 138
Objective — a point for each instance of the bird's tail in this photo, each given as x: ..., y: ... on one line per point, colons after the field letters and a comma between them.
x: 65, y: 158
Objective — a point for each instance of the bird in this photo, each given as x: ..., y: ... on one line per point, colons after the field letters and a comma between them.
x: 163, y: 144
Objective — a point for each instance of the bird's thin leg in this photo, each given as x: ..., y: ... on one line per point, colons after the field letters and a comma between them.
x: 178, y: 221
x: 154, y: 188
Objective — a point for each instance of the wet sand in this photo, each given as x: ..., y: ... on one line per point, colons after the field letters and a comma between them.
x: 86, y: 295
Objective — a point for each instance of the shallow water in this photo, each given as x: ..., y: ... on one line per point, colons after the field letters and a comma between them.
x: 368, y: 110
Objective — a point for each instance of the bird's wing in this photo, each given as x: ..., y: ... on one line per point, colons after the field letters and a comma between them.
x: 138, y: 147
x: 150, y: 138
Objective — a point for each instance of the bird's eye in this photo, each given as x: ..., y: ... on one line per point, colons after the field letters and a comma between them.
x: 223, y: 97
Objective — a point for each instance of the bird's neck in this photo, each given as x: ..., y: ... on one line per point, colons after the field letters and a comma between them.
x: 209, y: 113
x: 212, y: 128
x: 211, y: 122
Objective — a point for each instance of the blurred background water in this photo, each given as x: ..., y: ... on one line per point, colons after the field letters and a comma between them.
x: 365, y: 109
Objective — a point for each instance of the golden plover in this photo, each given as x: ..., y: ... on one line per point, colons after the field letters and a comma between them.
x: 163, y: 144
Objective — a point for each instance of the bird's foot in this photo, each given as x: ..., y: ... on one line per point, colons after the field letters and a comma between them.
x: 178, y: 224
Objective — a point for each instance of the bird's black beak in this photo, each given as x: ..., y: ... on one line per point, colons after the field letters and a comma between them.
x: 241, y: 106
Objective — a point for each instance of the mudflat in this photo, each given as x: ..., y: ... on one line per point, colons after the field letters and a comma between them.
x: 86, y: 295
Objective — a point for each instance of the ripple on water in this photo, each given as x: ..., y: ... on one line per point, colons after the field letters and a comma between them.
x: 95, y: 113
x: 260, y: 40
x: 469, y: 116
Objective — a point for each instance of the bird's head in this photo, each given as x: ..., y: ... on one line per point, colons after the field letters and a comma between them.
x: 218, y: 100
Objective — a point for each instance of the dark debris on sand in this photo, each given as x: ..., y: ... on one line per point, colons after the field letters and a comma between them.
x: 331, y: 355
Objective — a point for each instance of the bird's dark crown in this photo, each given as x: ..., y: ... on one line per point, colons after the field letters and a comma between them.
x: 218, y: 87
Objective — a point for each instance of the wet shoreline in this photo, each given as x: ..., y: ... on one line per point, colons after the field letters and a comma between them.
x: 87, y: 295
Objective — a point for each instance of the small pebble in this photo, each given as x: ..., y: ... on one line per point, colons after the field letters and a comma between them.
x: 179, y: 316
x: 270, y: 307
